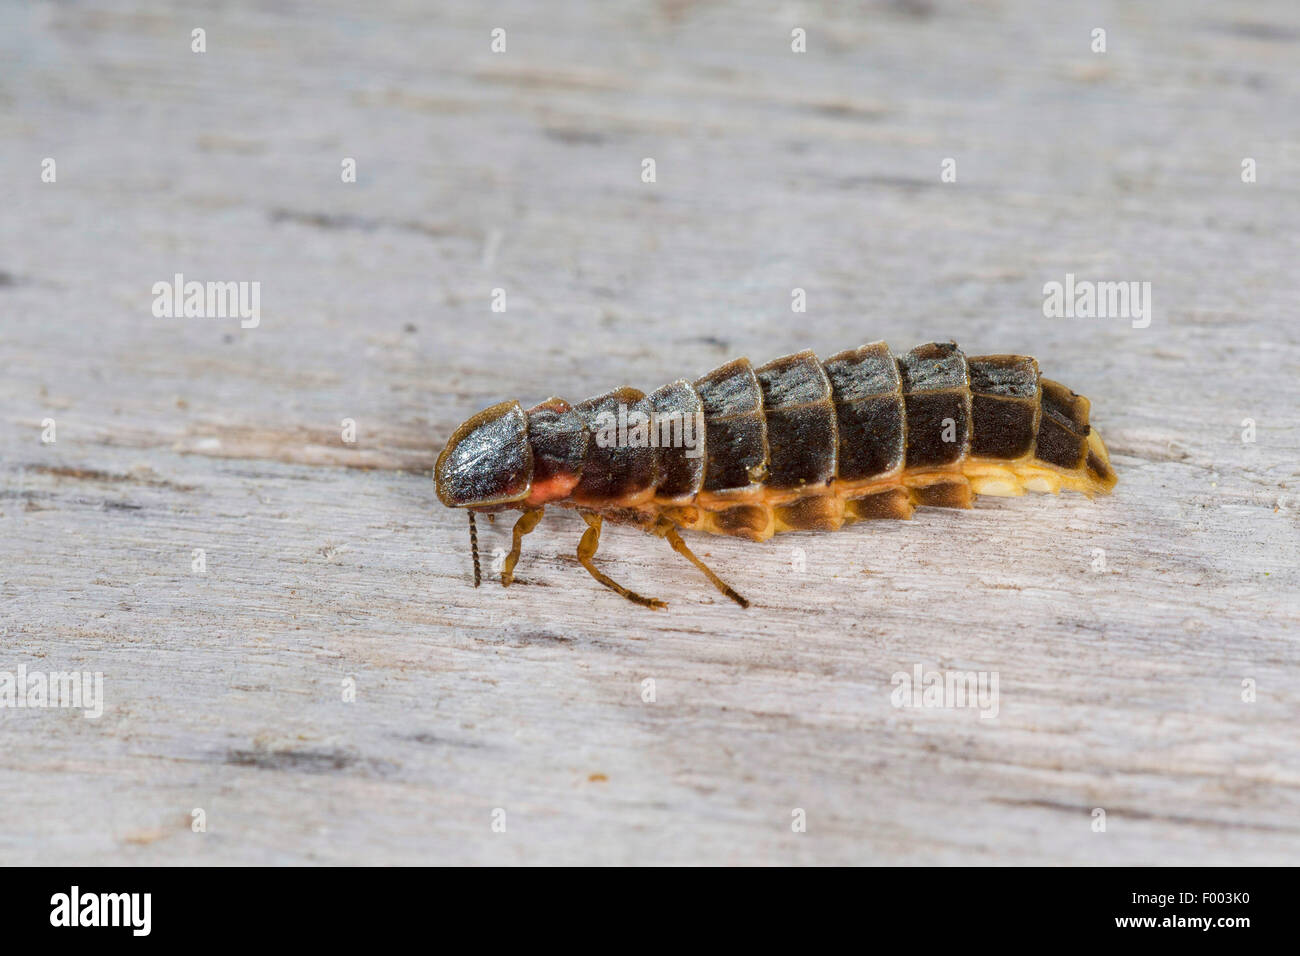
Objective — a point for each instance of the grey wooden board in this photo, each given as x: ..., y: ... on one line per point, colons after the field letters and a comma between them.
x: 1119, y: 689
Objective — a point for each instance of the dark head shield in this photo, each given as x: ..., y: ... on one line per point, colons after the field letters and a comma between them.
x: 488, y: 461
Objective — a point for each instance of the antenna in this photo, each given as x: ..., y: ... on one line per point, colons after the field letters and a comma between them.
x: 473, y: 546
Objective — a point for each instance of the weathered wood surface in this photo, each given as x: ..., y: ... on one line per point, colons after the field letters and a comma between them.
x: 1119, y: 689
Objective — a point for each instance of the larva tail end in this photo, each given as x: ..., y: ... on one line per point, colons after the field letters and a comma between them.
x: 1100, y: 473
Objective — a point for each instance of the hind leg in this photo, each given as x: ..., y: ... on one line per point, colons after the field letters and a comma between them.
x: 675, y: 539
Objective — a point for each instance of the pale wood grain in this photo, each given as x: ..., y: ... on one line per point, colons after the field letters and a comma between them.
x: 1119, y: 690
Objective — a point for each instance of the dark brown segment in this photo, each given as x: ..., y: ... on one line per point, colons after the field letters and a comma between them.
x: 735, y: 430
x: 938, y: 366
x: 869, y: 411
x: 559, y: 439
x: 1063, y: 427
x: 936, y: 397
x: 944, y: 494
x: 1006, y: 376
x: 615, y: 469
x: 730, y: 389
x: 895, y: 503
x: 735, y: 455
x: 1059, y: 446
x: 745, y: 521
x: 812, y: 513
x: 932, y: 419
x: 801, y: 447
x: 1070, y: 407
x: 1004, y: 405
x: 1002, y: 428
x: 801, y: 432
x: 863, y: 372
x: 679, y: 431
x: 871, y: 437
x: 793, y: 381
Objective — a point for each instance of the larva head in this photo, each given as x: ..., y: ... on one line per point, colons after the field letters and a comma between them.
x: 488, y: 462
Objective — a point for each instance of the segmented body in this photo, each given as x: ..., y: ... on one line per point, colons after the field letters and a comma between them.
x: 794, y: 445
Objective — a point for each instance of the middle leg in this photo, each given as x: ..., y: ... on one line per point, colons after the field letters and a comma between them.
x: 587, y: 550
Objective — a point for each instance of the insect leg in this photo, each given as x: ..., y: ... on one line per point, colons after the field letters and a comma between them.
x: 526, y: 523
x: 587, y: 549
x: 679, y: 546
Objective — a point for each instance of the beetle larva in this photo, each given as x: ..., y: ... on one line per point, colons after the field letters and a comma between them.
x: 794, y: 445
